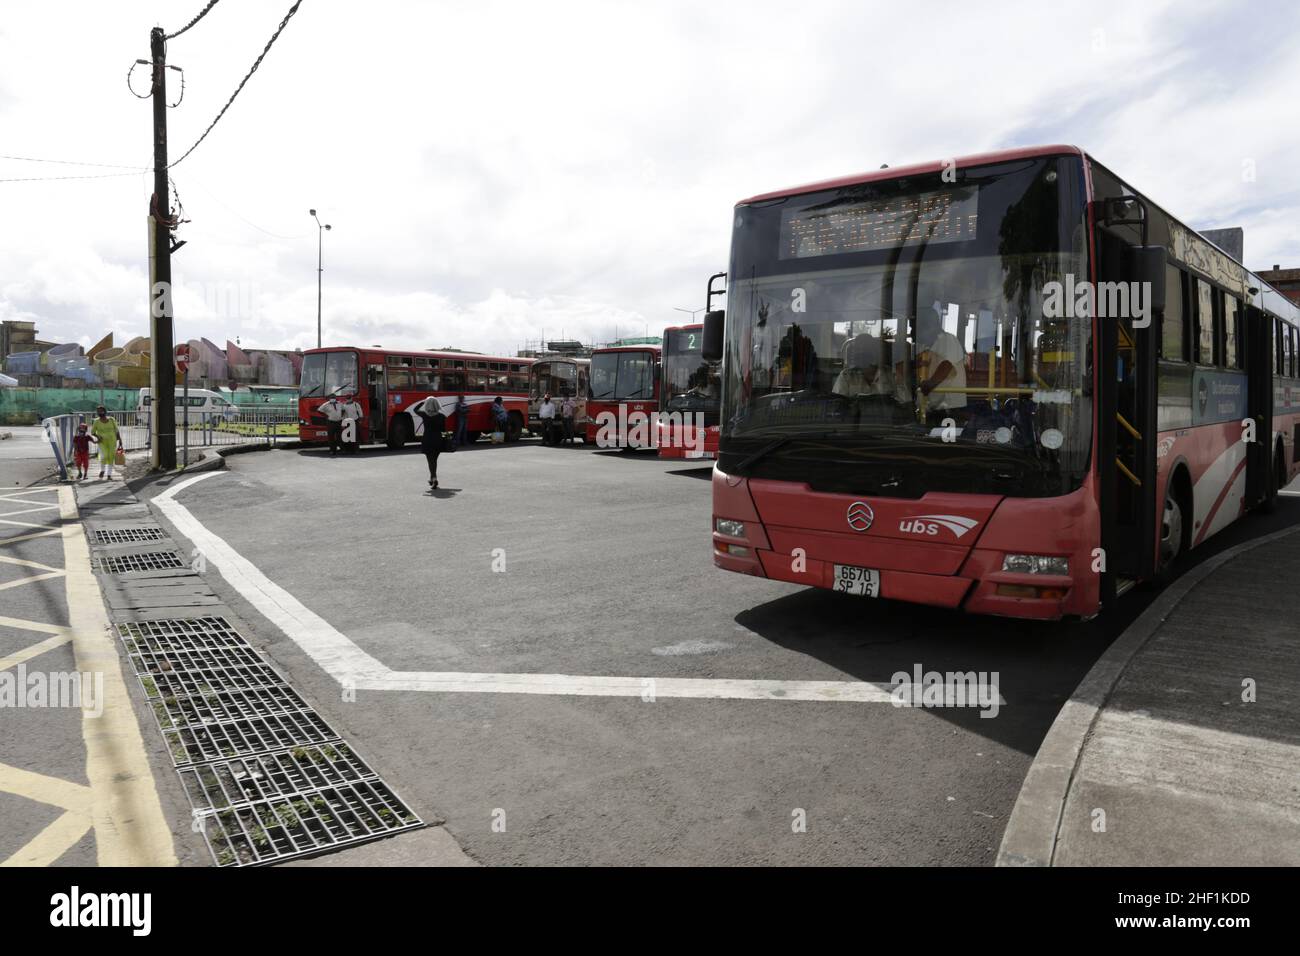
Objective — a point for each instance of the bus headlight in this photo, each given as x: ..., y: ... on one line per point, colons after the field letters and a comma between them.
x: 1036, y: 564
x: 732, y: 529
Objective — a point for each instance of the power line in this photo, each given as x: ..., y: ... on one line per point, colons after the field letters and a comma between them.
x: 37, y: 179
x: 247, y: 77
x: 202, y: 13
x: 73, y: 162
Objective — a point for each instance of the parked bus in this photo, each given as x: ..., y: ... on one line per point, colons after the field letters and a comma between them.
x: 559, y: 376
x: 389, y: 383
x: 915, y: 406
x: 624, y: 385
x: 689, y: 387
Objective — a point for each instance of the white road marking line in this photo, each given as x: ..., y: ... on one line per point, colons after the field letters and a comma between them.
x: 25, y: 511
x: 353, y: 668
x: 27, y: 537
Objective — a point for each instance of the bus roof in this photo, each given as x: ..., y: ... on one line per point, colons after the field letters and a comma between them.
x: 935, y: 166
x: 684, y: 328
x: 420, y: 352
x: 627, y: 348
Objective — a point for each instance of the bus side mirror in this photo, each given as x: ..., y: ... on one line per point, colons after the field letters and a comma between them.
x: 711, y: 345
x: 1147, y: 266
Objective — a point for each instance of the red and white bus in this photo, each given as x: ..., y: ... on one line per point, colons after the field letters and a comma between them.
x: 389, y: 383
x: 689, y: 392
x: 940, y: 385
x: 624, y: 395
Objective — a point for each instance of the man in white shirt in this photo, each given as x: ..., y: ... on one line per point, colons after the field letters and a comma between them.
x: 546, y: 412
x: 332, y: 411
x: 351, y: 414
x: 947, y: 365
x: 568, y: 410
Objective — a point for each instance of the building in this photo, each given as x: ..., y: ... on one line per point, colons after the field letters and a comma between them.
x: 1286, y: 281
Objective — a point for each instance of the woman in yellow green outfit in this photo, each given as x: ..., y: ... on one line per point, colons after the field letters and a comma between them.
x: 105, y: 431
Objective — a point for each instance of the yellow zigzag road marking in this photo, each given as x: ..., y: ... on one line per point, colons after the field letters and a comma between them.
x: 30, y: 579
x: 130, y: 829
x: 36, y: 650
x: 61, y: 835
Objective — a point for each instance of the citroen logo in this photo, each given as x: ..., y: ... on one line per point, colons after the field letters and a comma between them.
x: 860, y: 516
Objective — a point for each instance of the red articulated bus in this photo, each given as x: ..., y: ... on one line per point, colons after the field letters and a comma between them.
x: 689, y: 395
x: 1009, y: 383
x: 388, y: 383
x: 624, y: 396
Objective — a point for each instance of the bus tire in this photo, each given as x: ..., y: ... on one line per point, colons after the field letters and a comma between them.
x: 399, y: 431
x: 1174, y: 529
x: 514, y: 426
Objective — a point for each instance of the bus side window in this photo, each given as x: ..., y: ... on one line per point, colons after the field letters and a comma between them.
x: 1173, y: 324
x: 476, y: 382
x: 1290, y: 335
x: 1205, y: 339
x: 1231, y: 343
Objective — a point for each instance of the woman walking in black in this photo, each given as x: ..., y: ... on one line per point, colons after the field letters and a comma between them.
x: 431, y: 441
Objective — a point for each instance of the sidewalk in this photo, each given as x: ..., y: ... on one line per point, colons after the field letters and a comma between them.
x: 1161, y: 757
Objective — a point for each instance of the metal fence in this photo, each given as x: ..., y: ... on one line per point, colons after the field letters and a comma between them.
x: 198, y: 429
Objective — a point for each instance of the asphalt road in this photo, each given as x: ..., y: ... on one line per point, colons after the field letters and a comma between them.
x: 608, y: 572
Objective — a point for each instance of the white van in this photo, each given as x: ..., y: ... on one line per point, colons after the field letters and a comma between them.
x: 202, y: 403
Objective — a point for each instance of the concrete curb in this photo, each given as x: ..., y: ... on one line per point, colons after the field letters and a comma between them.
x: 1031, y: 833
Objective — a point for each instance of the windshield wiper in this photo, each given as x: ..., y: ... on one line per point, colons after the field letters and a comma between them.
x: 763, y: 452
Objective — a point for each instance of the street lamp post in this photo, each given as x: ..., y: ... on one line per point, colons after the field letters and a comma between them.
x: 320, y: 267
x: 691, y: 312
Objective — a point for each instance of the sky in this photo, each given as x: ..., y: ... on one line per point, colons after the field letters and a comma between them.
x: 496, y: 172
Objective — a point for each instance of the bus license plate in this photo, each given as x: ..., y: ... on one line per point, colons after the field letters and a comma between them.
x: 861, y: 581
x: 699, y: 454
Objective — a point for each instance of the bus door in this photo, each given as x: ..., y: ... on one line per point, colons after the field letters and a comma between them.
x: 377, y: 392
x: 1127, y: 404
x: 1259, y: 403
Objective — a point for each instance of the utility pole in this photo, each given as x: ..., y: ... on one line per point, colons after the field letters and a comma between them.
x: 162, y: 371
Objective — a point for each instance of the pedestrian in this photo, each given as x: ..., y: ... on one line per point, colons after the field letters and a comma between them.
x: 351, y: 410
x: 332, y: 410
x: 81, y: 443
x: 546, y: 412
x: 109, y: 439
x: 500, y: 417
x: 431, y: 441
x: 568, y: 411
x: 462, y: 423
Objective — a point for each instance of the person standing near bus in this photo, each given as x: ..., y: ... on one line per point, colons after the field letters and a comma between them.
x: 431, y: 441
x: 104, y: 430
x: 462, y: 423
x: 351, y: 412
x: 332, y: 410
x: 568, y: 411
x: 546, y: 412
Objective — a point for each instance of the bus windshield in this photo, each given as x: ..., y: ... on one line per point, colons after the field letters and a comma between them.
x: 890, y: 337
x: 623, y: 376
x: 690, y: 383
x: 324, y: 373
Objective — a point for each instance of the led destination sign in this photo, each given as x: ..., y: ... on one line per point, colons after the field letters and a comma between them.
x: 866, y: 225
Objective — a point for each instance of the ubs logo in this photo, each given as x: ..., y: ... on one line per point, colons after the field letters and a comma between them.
x: 860, y: 516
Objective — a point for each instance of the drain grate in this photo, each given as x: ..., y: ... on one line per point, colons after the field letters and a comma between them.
x: 267, y: 777
x: 147, y: 561
x: 185, y: 635
x: 284, y: 773
x: 128, y: 535
x: 268, y: 831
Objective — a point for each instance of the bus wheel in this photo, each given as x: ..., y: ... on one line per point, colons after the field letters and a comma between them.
x: 1171, y: 537
x: 399, y: 432
x: 514, y: 426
